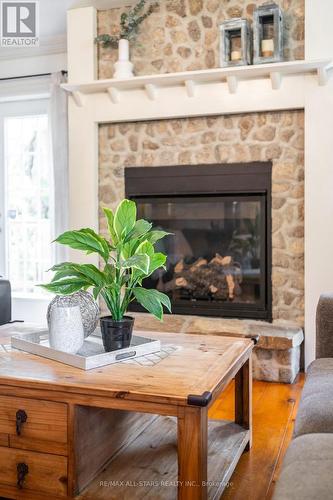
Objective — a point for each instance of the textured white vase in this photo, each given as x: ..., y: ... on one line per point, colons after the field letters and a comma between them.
x: 66, y: 331
x: 123, y: 67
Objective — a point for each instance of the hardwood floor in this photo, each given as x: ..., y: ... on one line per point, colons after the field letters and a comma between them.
x: 274, y: 411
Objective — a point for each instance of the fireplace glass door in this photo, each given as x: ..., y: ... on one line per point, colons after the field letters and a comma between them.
x: 216, y: 252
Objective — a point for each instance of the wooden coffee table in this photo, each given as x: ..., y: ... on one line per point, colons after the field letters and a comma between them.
x: 116, y: 432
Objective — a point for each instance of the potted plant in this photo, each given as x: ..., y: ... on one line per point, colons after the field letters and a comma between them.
x: 129, y: 26
x: 128, y: 257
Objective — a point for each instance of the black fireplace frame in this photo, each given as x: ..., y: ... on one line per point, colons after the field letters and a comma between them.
x: 215, y: 179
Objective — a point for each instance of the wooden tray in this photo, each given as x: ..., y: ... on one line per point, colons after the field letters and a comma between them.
x: 91, y: 355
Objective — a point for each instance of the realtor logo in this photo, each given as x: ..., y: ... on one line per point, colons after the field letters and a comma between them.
x: 19, y: 23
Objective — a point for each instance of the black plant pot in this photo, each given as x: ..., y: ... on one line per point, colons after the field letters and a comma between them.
x: 116, y: 334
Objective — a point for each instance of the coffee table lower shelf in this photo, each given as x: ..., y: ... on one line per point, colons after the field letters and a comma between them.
x: 147, y: 467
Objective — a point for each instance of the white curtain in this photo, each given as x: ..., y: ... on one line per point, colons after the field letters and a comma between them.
x: 58, y: 117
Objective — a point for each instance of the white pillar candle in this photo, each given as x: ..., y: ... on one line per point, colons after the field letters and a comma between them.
x: 235, y: 55
x: 267, y: 47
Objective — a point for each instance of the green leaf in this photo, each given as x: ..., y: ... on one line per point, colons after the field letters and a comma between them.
x: 154, y: 236
x: 140, y: 228
x: 96, y: 291
x: 86, y: 240
x: 110, y: 273
x: 145, y: 248
x: 83, y: 271
x: 65, y: 273
x: 66, y: 286
x: 125, y: 218
x: 164, y: 299
x: 109, y: 296
x: 128, y: 249
x: 149, y: 302
x: 152, y: 300
x: 125, y: 279
x: 156, y: 261
x: 140, y: 262
x: 92, y: 273
x: 107, y: 40
x: 110, y: 220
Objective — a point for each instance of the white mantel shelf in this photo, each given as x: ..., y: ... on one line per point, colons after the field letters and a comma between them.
x: 191, y: 81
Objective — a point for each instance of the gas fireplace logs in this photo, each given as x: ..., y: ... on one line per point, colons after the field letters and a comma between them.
x: 219, y: 279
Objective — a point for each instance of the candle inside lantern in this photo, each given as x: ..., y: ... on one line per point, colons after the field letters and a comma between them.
x: 267, y: 47
x: 236, y: 46
x: 235, y: 55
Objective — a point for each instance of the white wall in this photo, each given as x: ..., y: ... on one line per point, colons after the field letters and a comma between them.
x: 32, y: 65
x: 318, y: 170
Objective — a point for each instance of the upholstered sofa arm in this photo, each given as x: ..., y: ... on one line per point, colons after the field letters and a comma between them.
x: 324, y: 327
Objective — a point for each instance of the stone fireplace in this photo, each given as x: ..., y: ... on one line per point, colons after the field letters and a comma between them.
x: 141, y: 149
x: 258, y: 137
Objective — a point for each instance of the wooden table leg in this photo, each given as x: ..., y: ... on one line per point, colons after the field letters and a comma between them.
x: 243, y: 398
x: 192, y: 453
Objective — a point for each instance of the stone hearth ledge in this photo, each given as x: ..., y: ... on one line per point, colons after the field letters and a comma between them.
x: 276, y: 358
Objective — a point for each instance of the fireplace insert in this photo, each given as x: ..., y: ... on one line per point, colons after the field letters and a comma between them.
x: 219, y: 249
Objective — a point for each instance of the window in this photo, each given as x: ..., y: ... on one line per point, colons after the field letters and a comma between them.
x: 27, y: 201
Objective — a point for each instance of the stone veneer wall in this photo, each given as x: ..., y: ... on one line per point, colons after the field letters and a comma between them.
x: 224, y: 139
x: 182, y: 35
